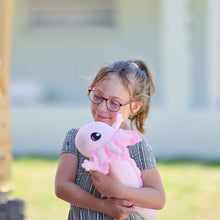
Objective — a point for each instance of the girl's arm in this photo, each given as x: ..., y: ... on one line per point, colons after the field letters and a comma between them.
x: 66, y: 189
x: 152, y: 195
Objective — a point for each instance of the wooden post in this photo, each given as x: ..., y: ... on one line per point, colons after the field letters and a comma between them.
x: 6, y: 12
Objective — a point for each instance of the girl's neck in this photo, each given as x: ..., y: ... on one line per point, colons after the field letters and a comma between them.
x: 125, y: 126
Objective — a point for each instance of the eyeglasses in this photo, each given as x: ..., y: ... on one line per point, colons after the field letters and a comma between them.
x: 112, y: 104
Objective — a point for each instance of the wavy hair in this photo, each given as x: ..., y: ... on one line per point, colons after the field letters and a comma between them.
x: 138, y: 79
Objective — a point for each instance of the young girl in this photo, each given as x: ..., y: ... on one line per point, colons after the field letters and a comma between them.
x: 122, y: 87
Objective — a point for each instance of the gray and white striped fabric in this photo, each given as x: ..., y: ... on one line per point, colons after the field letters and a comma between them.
x: 142, y: 154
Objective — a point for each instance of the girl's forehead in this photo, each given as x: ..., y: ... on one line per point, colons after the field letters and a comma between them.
x: 112, y: 86
x: 111, y: 81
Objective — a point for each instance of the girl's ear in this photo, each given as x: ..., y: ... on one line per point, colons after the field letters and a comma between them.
x: 136, y: 106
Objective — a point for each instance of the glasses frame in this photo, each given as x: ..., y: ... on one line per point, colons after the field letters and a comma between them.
x: 103, y: 98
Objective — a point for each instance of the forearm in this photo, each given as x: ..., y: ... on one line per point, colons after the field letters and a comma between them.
x: 66, y: 189
x: 146, y: 197
x: 152, y: 195
x: 72, y: 193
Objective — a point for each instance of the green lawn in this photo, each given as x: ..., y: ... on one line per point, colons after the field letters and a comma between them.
x: 33, y: 182
x: 193, y: 189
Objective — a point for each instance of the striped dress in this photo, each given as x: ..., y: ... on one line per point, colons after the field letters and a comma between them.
x: 140, y: 152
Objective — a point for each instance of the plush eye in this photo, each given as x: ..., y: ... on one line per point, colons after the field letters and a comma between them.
x: 95, y: 136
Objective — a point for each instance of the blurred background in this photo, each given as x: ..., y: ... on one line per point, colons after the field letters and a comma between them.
x: 49, y: 52
x: 58, y: 45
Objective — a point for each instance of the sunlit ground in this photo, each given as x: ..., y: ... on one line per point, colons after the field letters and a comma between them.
x: 192, y: 189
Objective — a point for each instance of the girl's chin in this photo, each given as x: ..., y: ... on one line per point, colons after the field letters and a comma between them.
x: 104, y: 119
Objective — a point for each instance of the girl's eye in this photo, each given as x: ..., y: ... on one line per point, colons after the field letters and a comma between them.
x: 114, y: 103
x: 97, y: 97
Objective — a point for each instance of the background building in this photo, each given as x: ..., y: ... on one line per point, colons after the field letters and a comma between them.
x: 57, y: 45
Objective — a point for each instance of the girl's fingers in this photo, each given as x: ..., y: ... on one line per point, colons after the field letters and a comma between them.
x: 96, y: 174
x: 126, y: 203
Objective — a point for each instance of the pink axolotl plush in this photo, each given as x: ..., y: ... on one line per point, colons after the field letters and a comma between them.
x: 106, y: 146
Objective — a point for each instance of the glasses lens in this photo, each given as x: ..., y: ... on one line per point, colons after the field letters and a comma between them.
x: 113, y: 105
x: 95, y: 97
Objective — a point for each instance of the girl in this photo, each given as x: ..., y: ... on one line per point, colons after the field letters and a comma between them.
x: 122, y: 87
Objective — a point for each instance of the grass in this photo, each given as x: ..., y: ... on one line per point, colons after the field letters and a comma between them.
x: 192, y: 189
x: 33, y: 182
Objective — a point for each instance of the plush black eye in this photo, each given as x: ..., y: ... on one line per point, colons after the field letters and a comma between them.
x: 95, y: 136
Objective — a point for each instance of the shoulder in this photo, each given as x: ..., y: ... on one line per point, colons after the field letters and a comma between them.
x: 72, y: 132
x: 143, y: 154
x: 143, y: 145
x: 69, y: 142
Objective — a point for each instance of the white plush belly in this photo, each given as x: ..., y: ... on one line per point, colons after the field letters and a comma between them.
x: 123, y: 170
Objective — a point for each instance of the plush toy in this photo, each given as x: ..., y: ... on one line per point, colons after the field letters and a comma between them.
x: 107, y: 146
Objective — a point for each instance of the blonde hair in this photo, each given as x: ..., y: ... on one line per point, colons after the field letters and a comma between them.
x: 138, y: 79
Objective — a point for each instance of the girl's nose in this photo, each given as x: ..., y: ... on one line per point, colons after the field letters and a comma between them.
x: 102, y: 106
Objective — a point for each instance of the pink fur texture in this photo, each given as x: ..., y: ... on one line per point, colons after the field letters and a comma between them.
x: 106, y: 146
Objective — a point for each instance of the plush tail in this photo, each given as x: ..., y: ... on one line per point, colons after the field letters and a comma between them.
x: 147, y: 214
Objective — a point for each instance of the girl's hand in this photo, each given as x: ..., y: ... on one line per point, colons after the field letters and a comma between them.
x: 106, y: 184
x: 118, y: 209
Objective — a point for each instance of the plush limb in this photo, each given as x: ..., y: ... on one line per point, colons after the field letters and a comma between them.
x: 67, y: 190
x: 114, y: 148
x: 151, y: 196
x: 102, y: 156
x: 89, y: 165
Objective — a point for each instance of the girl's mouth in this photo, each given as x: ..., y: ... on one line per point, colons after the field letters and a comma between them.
x: 103, y: 117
